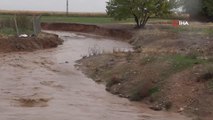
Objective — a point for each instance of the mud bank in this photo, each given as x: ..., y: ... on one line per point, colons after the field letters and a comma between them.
x: 169, y: 70
x: 43, y: 41
x: 94, y: 29
x: 45, y: 85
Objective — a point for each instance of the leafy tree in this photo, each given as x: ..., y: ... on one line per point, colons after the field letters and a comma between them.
x: 192, y: 7
x: 141, y: 10
x: 198, y: 8
x: 207, y: 8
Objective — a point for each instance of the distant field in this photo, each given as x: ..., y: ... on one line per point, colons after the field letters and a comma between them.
x: 88, y: 18
x: 92, y: 20
x: 75, y: 19
x: 7, y: 22
x: 46, y: 13
x: 80, y: 19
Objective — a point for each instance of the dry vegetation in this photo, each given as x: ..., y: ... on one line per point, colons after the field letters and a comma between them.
x: 171, y: 69
x: 10, y: 40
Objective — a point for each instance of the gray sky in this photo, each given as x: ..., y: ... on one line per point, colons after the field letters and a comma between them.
x: 54, y: 5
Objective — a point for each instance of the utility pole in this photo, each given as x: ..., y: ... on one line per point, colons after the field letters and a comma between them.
x: 67, y: 8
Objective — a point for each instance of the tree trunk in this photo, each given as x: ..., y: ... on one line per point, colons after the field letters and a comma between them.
x: 137, y: 21
x: 144, y: 21
x: 141, y: 22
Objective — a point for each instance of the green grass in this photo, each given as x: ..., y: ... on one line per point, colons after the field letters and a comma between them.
x: 154, y: 90
x: 85, y: 19
x: 210, y: 85
x: 3, y: 17
x: 189, y: 29
x: 142, y: 90
x: 7, y: 31
x: 91, y: 20
x: 208, y: 31
x: 11, y: 31
x: 177, y: 63
x: 181, y: 62
x: 7, y: 24
x: 147, y: 60
x: 75, y: 19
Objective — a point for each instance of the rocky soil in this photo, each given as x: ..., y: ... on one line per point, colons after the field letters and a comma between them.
x: 171, y: 69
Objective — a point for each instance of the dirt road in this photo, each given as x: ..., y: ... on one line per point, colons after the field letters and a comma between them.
x: 45, y: 85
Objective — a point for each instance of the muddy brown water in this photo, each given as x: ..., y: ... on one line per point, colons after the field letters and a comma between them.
x: 45, y: 85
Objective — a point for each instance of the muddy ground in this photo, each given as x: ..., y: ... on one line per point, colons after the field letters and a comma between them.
x: 16, y: 44
x: 110, y: 32
x: 171, y: 69
x: 45, y: 85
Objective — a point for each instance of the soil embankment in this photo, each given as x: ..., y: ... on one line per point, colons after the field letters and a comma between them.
x: 42, y: 41
x: 94, y: 29
x: 45, y: 85
x: 171, y: 69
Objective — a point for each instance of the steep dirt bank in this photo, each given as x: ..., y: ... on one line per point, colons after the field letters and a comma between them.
x: 94, y: 29
x: 175, y: 83
x: 171, y: 69
x: 43, y: 41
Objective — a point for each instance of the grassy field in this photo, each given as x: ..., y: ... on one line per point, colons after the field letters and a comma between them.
x: 90, y: 19
x: 82, y: 18
x: 77, y: 19
x: 7, y: 25
x: 101, y: 19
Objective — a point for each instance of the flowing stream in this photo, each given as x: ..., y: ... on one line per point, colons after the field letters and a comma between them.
x: 45, y: 85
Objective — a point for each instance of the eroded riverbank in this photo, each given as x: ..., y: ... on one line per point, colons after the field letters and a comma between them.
x: 45, y: 85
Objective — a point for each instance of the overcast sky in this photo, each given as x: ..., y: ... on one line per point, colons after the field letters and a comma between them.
x: 54, y: 5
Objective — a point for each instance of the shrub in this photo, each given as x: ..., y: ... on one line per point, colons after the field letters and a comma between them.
x: 142, y: 90
x: 113, y: 81
x: 24, y: 23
